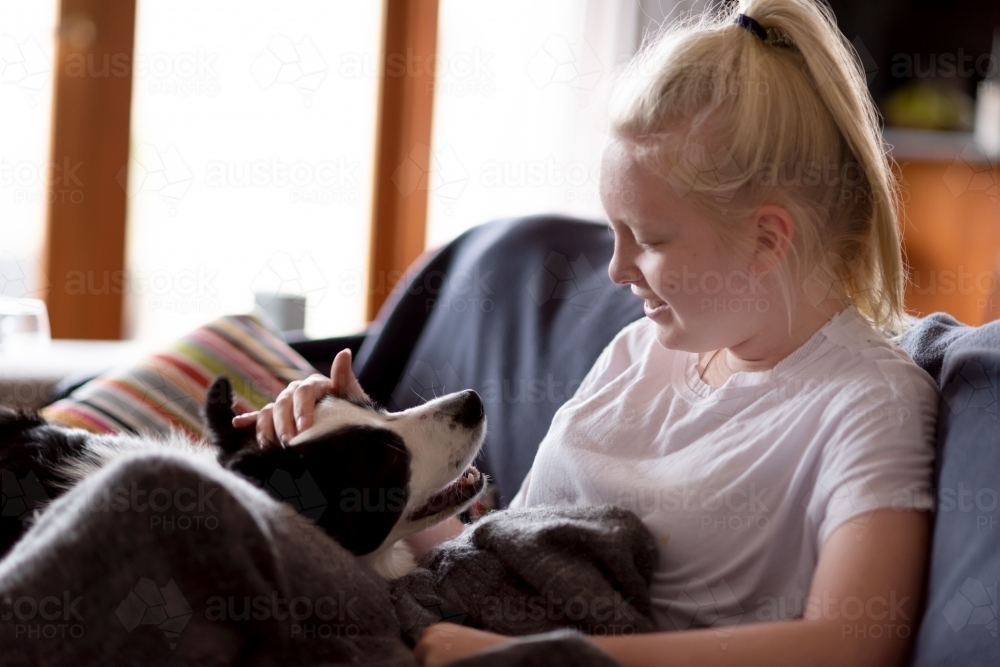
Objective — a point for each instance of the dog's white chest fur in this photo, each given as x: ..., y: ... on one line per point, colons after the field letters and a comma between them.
x: 391, y: 562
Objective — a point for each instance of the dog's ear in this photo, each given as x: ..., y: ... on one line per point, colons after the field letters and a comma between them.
x: 219, y: 420
x: 369, y: 502
x: 353, y: 482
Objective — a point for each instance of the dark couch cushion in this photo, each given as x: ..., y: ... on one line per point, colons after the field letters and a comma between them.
x: 518, y: 310
x: 959, y: 625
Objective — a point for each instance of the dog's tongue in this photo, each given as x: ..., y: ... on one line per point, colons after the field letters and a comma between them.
x: 465, y: 487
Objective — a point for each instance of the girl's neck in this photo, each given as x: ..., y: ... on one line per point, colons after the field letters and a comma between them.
x: 768, y: 348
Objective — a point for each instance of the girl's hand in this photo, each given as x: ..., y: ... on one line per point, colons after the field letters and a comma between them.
x: 444, y: 642
x: 292, y: 411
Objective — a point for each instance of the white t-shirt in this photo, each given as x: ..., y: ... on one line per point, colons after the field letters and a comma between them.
x: 742, y: 484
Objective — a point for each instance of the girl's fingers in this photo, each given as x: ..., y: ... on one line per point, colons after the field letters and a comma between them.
x: 245, y: 419
x: 342, y: 376
x: 278, y: 410
x: 291, y: 412
x: 284, y: 420
x: 304, y: 400
x: 340, y: 372
x: 265, y: 426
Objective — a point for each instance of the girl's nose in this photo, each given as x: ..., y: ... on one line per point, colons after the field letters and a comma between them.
x: 622, y: 270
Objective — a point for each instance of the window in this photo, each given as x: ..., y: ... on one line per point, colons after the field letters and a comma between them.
x: 519, y: 108
x: 251, y: 161
x: 26, y: 55
x: 247, y: 164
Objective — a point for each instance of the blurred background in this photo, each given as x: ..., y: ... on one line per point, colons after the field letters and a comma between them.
x: 164, y: 163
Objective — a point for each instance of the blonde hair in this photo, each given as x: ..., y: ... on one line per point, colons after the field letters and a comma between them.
x: 724, y: 116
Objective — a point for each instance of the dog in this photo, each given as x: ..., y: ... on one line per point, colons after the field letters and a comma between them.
x: 383, y: 475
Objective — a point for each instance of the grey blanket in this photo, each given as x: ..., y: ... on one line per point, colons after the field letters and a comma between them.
x: 520, y: 572
x: 161, y: 560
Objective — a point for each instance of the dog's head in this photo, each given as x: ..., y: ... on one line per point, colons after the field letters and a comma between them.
x: 374, y: 477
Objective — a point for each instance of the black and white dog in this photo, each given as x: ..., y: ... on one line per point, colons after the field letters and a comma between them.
x: 383, y: 475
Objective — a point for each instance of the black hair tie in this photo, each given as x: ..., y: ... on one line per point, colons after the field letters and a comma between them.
x: 751, y: 25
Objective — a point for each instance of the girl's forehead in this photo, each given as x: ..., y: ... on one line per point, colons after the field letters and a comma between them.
x: 633, y: 182
x: 636, y: 196
x: 624, y: 160
x: 620, y: 151
x: 620, y: 167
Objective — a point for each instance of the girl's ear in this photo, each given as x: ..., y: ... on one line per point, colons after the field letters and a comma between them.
x: 775, y: 229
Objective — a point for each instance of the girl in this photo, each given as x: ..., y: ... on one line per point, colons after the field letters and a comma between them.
x: 760, y: 419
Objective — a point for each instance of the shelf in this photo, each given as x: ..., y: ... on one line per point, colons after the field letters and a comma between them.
x: 935, y: 146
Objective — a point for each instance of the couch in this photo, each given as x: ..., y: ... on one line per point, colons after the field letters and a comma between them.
x: 519, y: 310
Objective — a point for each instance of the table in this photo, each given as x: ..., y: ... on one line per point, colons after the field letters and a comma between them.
x: 28, y: 374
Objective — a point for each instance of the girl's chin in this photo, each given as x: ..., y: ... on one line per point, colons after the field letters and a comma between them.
x: 666, y: 338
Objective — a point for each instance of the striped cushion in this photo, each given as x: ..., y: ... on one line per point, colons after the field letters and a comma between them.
x: 168, y: 389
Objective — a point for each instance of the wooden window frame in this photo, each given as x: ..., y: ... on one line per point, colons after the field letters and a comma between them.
x: 402, y: 145
x: 84, y: 248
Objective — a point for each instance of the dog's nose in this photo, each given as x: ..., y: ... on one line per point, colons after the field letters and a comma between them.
x: 471, y: 412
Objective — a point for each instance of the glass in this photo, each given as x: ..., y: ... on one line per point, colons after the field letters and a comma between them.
x: 24, y: 326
